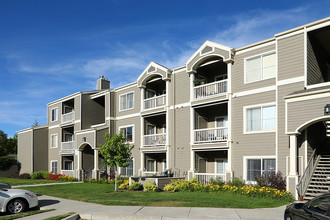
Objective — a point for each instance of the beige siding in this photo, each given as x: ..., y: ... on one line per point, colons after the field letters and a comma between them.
x: 40, y: 152
x: 182, y: 88
x: 282, y: 138
x: 257, y: 144
x: 137, y: 101
x: 77, y: 107
x: 291, y: 57
x: 54, y: 153
x: 100, y: 140
x: 238, y: 71
x: 59, y: 112
x: 90, y: 139
x: 314, y: 74
x: 92, y: 113
x: 113, y: 104
x: 25, y: 151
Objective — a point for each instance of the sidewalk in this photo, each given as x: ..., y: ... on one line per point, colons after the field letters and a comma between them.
x: 95, y: 211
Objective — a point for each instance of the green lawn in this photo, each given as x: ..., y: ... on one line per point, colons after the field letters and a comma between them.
x: 16, y: 182
x: 104, y: 194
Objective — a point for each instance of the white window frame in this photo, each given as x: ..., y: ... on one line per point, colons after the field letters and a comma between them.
x: 133, y: 130
x: 155, y: 166
x: 126, y: 168
x: 126, y: 109
x: 56, y: 115
x: 255, y: 56
x: 245, y: 108
x: 246, y: 158
x: 51, y: 165
x: 51, y: 141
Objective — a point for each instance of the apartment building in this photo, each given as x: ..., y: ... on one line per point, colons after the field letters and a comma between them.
x: 227, y: 112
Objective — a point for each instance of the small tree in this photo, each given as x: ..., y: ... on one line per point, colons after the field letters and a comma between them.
x: 116, y: 152
x: 35, y: 124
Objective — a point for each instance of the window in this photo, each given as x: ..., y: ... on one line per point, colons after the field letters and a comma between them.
x: 221, y: 121
x: 68, y: 165
x: 221, y: 166
x: 54, y: 166
x: 257, y: 167
x: 68, y: 137
x: 127, y: 101
x: 54, y: 140
x: 151, y: 129
x: 260, y: 67
x: 127, y: 171
x: 261, y: 118
x: 128, y: 133
x: 54, y: 114
x: 150, y: 165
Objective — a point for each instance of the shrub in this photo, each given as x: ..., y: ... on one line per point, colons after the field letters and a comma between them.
x: 150, y: 187
x: 124, y: 185
x: 170, y: 188
x: 40, y: 175
x: 7, y: 162
x: 24, y: 176
x: 67, y: 178
x: 217, y: 181
x: 54, y: 176
x: 136, y: 186
x: 271, y: 179
x: 238, y: 182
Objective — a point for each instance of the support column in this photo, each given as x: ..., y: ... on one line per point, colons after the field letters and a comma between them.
x: 292, y: 178
x: 79, y: 174
x: 142, y: 164
x: 96, y: 171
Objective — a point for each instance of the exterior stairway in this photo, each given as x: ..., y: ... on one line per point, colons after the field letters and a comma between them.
x: 320, y: 180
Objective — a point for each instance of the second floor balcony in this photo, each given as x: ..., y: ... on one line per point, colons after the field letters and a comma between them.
x: 210, y: 89
x: 68, y: 117
x: 154, y: 140
x: 154, y: 102
x: 67, y: 146
x: 210, y: 135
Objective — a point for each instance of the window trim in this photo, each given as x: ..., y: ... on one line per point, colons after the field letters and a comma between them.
x: 133, y: 129
x: 125, y: 94
x: 51, y: 140
x: 51, y: 165
x: 215, y: 164
x: 255, y: 56
x: 51, y: 114
x: 245, y: 108
x: 246, y: 158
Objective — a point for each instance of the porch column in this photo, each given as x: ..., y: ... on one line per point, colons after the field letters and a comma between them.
x: 292, y: 178
x: 142, y: 164
x: 192, y: 78
x: 79, y: 168
x: 142, y: 97
x: 191, y: 173
x: 96, y: 164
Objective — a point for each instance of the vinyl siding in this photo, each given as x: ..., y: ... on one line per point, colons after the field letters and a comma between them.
x: 90, y: 139
x: 25, y: 151
x: 291, y: 57
x: 40, y: 152
x: 182, y: 88
x: 238, y: 84
x: 137, y: 101
x: 92, y: 112
x: 100, y: 140
x: 314, y: 74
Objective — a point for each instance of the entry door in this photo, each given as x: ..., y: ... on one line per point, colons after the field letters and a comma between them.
x: 202, y: 165
x: 221, y: 166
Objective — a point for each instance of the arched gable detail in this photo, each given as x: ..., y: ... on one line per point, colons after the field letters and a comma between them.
x: 83, y: 145
x: 311, y: 122
x: 152, y: 70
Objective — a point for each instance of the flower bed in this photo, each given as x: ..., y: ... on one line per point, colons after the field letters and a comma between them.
x: 60, y: 177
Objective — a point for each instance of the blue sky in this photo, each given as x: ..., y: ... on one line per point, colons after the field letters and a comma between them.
x: 50, y: 49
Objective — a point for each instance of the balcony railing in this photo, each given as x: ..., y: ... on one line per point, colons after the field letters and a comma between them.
x: 68, y: 172
x: 68, y: 117
x: 205, y: 178
x: 210, y: 135
x: 154, y: 140
x: 209, y: 89
x: 154, y: 102
x: 69, y: 145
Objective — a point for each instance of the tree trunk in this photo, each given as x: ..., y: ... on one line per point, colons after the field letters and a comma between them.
x: 116, y: 181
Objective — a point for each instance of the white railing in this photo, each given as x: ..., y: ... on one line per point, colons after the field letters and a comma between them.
x: 154, y: 140
x: 205, y: 178
x: 68, y: 117
x: 155, y: 102
x: 209, y: 89
x: 210, y: 135
x: 68, y: 172
x: 69, y: 145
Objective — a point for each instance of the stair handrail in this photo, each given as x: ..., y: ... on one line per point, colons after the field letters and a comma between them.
x: 305, y: 179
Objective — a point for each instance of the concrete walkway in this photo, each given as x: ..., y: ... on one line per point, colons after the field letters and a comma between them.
x: 95, y: 211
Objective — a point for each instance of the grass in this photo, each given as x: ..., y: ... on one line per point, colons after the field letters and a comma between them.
x: 24, y: 214
x: 16, y: 182
x: 104, y: 194
x: 59, y: 217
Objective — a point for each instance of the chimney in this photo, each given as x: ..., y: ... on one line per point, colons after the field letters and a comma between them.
x: 102, y: 83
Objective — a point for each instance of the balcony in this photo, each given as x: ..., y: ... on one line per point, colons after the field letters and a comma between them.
x: 68, y: 146
x: 210, y: 135
x: 154, y: 140
x: 210, y: 89
x: 205, y: 178
x: 154, y: 102
x: 68, y: 117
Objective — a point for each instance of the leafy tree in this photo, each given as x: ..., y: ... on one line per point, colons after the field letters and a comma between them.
x: 116, y: 152
x: 35, y: 124
x: 3, y: 143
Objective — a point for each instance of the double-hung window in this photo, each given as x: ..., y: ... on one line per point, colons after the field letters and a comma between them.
x: 127, y: 101
x: 54, y: 114
x: 261, y: 118
x: 260, y: 67
x: 128, y: 133
x: 54, y: 141
x: 258, y: 167
x: 54, y: 166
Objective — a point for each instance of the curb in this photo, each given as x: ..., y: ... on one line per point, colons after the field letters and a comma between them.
x: 72, y: 217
